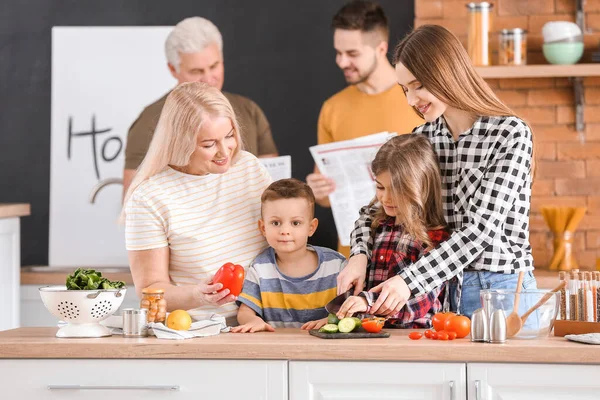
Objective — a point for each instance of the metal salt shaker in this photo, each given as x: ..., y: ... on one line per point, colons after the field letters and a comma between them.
x: 498, y: 327
x: 134, y: 322
x: 479, y: 326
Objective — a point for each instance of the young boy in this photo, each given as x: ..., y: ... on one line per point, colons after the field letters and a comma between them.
x: 289, y: 283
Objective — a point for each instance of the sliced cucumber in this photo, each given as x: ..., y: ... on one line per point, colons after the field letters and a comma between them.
x: 346, y: 325
x: 329, y: 328
x: 358, y: 322
x: 332, y: 319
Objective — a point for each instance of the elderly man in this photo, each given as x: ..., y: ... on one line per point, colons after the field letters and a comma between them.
x: 194, y: 51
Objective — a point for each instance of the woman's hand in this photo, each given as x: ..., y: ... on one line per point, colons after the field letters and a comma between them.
x: 393, y: 295
x: 256, y: 325
x: 208, y: 293
x: 321, y: 186
x: 314, y: 324
x: 352, y: 305
x: 353, y: 274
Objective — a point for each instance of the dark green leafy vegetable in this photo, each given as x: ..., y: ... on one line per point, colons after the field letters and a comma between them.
x: 89, y: 279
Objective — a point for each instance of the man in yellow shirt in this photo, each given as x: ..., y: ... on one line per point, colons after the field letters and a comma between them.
x: 373, y: 101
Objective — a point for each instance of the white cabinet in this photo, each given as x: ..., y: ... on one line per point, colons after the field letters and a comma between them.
x: 10, y: 272
x: 321, y: 380
x: 143, y: 379
x: 533, y: 382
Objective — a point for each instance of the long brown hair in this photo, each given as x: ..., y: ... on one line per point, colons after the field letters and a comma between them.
x: 438, y: 60
x: 416, y: 185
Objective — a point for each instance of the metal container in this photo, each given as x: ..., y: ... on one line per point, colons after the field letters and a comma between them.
x: 479, y: 326
x: 134, y: 322
x: 498, y: 327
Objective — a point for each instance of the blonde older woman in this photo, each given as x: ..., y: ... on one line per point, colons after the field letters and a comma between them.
x: 194, y: 203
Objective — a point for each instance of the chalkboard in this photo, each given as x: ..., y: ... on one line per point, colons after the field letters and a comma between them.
x: 277, y: 52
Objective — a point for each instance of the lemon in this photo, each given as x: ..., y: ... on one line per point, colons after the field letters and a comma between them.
x: 179, y: 320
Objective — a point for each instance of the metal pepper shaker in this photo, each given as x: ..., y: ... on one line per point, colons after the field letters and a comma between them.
x: 498, y: 327
x: 479, y: 326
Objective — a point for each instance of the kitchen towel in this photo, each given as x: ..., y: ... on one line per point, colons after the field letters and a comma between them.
x: 589, y: 338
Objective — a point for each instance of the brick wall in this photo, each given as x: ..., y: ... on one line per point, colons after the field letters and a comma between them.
x: 568, y: 171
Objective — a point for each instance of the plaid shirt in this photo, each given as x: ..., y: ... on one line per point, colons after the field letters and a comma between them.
x: 486, y: 187
x: 388, y: 260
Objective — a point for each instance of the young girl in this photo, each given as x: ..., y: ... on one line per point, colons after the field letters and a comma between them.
x: 407, y: 222
x: 485, y: 154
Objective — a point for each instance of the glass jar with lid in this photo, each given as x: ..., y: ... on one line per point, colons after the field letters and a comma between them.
x: 153, y: 300
x: 480, y: 26
x: 512, y: 48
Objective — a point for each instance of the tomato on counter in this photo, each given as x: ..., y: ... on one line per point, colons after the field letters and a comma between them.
x: 459, y: 324
x: 373, y: 325
x: 439, y: 319
x: 415, y: 335
x: 231, y: 276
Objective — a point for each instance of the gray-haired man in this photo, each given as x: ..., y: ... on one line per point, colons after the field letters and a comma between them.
x: 194, y: 51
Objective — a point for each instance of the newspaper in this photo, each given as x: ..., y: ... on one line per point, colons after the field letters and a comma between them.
x: 278, y: 167
x: 348, y: 163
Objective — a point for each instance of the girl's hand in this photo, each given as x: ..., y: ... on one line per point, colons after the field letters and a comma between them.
x: 353, y: 274
x: 256, y: 325
x: 208, y: 293
x: 352, y: 305
x: 314, y: 324
x: 393, y: 295
x: 321, y: 185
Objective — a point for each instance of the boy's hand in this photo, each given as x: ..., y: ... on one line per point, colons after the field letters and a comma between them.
x: 314, y: 324
x: 353, y: 305
x: 254, y: 326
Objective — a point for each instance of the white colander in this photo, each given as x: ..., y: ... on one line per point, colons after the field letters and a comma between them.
x: 82, y: 310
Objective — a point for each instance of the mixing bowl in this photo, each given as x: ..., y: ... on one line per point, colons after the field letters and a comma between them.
x: 563, y: 52
x: 539, y: 323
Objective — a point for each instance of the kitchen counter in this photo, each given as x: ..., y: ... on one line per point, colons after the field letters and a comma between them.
x: 294, y: 344
x: 9, y: 210
x: 56, y: 276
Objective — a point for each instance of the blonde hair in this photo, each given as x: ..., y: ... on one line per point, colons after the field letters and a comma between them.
x: 175, y: 137
x: 416, y: 185
x: 438, y: 60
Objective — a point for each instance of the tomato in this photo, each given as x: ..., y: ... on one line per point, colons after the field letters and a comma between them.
x: 415, y: 335
x: 451, y: 335
x: 442, y: 335
x: 373, y: 325
x: 231, y: 276
x: 434, y: 335
x: 439, y: 319
x: 459, y: 324
x: 428, y: 334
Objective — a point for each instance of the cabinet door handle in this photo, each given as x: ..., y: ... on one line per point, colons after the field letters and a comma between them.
x: 477, y: 390
x: 451, y: 384
x: 115, y: 387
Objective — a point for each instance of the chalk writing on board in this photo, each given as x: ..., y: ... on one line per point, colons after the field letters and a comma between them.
x: 106, y: 154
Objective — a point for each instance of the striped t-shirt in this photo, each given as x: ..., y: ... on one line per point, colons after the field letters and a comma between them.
x: 288, y: 302
x: 205, y: 220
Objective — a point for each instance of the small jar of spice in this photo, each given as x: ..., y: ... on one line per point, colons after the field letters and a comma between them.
x: 154, y: 301
x: 513, y: 47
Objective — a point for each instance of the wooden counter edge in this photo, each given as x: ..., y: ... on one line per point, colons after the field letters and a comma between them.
x: 9, y: 210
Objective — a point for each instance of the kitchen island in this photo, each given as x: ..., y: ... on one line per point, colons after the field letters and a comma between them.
x: 291, y: 364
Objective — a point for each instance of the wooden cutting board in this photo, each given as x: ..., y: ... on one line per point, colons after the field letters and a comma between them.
x: 351, y: 335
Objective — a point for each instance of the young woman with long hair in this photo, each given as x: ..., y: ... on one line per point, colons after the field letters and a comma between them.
x: 486, y: 159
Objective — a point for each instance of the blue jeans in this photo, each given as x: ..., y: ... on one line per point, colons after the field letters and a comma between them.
x: 473, y: 282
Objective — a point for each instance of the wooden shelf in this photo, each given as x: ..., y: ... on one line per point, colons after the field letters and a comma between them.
x: 539, y: 71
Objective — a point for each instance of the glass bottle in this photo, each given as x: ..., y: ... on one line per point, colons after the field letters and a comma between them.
x: 154, y: 301
x: 479, y: 33
x: 512, y: 48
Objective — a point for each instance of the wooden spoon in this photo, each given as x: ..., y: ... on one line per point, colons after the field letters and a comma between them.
x: 513, y: 321
x: 542, y: 301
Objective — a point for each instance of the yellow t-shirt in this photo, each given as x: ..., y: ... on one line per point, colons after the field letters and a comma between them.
x: 350, y: 114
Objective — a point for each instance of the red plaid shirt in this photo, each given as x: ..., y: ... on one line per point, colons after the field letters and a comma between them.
x: 387, y: 261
